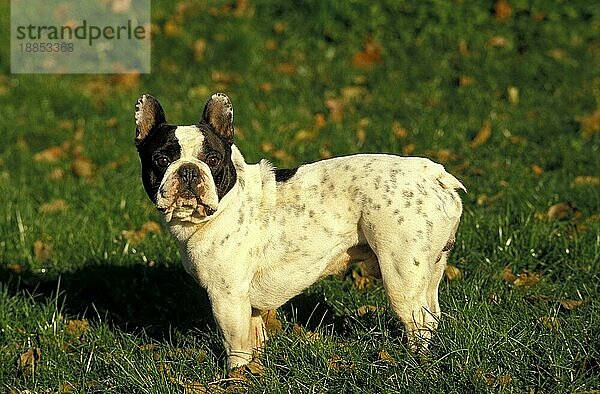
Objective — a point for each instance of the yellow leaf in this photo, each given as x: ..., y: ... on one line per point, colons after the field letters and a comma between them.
x: 563, y: 211
x: 570, y: 304
x: 483, y: 135
x: 385, y: 357
x: 57, y: 205
x: 452, y: 273
x: 590, y: 124
x: 82, y: 168
x: 364, y: 309
x: 50, y: 155
x: 587, y: 180
x: 42, y: 251
x: 272, y: 323
x: 550, y: 322
x: 77, y: 328
x: 370, y: 56
x: 537, y: 170
x: 502, y: 10
x: 29, y: 360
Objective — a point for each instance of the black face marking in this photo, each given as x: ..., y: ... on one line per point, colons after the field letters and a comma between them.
x: 160, y: 144
x: 284, y: 174
x: 216, y: 153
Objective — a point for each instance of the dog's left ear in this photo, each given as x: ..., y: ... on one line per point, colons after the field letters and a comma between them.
x: 218, y: 113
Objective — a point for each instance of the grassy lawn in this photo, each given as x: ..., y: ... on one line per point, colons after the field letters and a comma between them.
x: 506, y: 96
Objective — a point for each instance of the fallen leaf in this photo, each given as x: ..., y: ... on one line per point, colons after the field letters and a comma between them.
x: 369, y: 57
x: 507, y: 275
x: 337, y: 363
x: 399, y: 131
x: 136, y: 236
x: 56, y: 174
x: 266, y: 147
x: 364, y: 309
x: 15, y: 268
x: 310, y: 336
x: 408, y: 149
x: 386, y: 358
x: 319, y: 121
x: 570, y: 304
x: 336, y: 109
x: 590, y: 124
x: 537, y: 170
x: 82, y: 167
x: 513, y: 94
x: 77, y: 328
x: 42, y: 251
x: 266, y: 87
x: 272, y: 323
x: 58, y: 205
x: 586, y: 180
x: 279, y: 27
x: 452, y: 273
x: 483, y: 135
x: 502, y: 10
x: 286, y: 68
x: 305, y: 135
x: 199, y: 49
x: 325, y: 153
x: 527, y: 279
x: 50, y: 155
x: 29, y: 361
x: 497, y: 42
x: 171, y: 28
x: 255, y: 367
x: 223, y: 77
x: 563, y: 211
x: 361, y: 281
x: 550, y: 322
x: 350, y: 93
x: 465, y: 80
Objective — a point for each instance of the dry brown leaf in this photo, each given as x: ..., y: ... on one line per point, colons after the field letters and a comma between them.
x: 527, y: 279
x: 266, y: 87
x: 56, y: 174
x: 483, y: 135
x: 563, y: 211
x: 199, y: 49
x: 42, y: 251
x: 512, y: 93
x: 465, y: 80
x: 136, y: 236
x: 570, y: 304
x: 336, y: 109
x: 550, y: 322
x: 305, y: 135
x: 364, y: 309
x: 408, y: 149
x: 77, y: 328
x: 386, y: 357
x: 286, y: 68
x: 350, y: 93
x: 29, y: 360
x: 272, y: 323
x: 537, y: 170
x: 82, y: 167
x: 502, y: 10
x: 452, y: 273
x: 361, y: 281
x: 369, y: 57
x: 498, y: 42
x: 590, y: 124
x: 507, y: 275
x: 337, y: 363
x: 398, y: 130
x: 325, y: 153
x: 319, y: 121
x: 50, y: 155
x: 58, y: 205
x: 172, y: 28
x: 586, y: 180
x: 15, y: 268
x: 310, y: 336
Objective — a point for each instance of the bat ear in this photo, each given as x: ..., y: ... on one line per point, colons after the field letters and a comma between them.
x: 148, y: 115
x: 218, y: 113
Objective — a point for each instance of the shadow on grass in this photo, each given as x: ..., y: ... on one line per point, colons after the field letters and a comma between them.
x: 133, y: 298
x: 154, y: 300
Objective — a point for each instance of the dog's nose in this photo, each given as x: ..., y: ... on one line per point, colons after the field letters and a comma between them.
x: 188, y: 173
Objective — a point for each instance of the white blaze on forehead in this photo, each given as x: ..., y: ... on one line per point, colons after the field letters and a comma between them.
x: 190, y: 140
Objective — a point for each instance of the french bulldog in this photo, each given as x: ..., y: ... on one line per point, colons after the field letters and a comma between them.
x: 255, y: 236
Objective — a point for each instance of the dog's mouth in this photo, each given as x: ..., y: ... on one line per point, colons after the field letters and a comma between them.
x: 186, y: 204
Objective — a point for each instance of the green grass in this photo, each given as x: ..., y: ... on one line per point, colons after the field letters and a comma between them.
x: 150, y: 327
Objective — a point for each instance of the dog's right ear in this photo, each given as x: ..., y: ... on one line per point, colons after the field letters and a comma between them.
x: 148, y: 115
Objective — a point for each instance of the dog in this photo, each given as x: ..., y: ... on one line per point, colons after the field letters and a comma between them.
x: 255, y: 236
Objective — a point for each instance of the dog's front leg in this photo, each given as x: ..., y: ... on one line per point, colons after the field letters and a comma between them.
x: 233, y: 315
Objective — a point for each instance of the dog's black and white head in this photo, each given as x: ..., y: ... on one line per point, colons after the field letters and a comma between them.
x: 186, y: 170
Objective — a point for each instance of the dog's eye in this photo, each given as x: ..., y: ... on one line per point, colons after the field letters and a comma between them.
x: 213, y: 161
x: 162, y: 161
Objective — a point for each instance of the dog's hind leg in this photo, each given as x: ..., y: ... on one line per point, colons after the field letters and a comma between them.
x: 407, y: 280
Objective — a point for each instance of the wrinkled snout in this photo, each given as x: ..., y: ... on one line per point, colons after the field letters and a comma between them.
x: 189, y: 175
